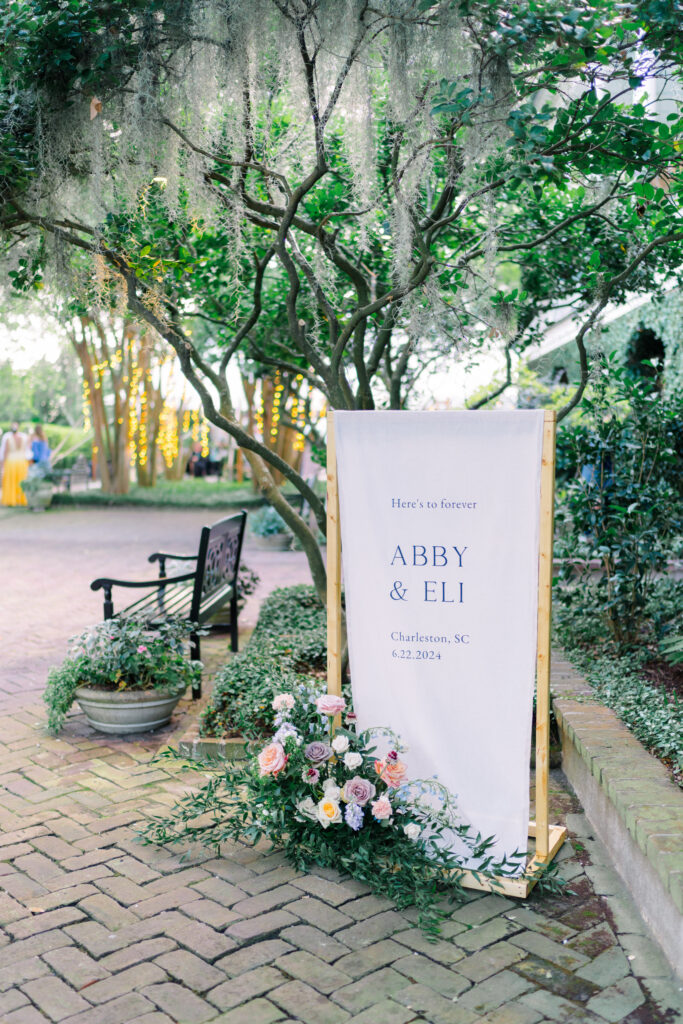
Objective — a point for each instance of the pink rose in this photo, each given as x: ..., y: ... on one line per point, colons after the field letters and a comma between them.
x: 272, y: 759
x: 391, y: 771
x: 358, y: 791
x: 142, y: 649
x: 330, y: 705
x: 283, y: 702
x: 381, y: 809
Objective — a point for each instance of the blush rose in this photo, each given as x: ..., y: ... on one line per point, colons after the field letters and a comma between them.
x: 330, y: 705
x: 382, y: 809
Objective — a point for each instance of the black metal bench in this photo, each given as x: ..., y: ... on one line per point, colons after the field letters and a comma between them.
x: 195, y: 596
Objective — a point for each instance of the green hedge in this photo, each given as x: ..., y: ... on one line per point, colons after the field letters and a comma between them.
x: 186, y: 493
x: 286, y: 650
x: 168, y: 494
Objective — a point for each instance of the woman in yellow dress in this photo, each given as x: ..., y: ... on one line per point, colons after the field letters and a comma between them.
x: 14, y: 465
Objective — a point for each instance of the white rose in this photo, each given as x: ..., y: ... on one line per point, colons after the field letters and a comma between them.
x: 340, y: 744
x: 352, y: 760
x: 328, y: 811
x: 308, y: 808
x: 331, y: 789
x: 412, y: 830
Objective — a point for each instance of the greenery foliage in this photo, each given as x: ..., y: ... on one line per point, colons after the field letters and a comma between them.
x: 621, y: 506
x: 327, y: 797
x: 247, y: 582
x: 287, y: 648
x: 267, y: 522
x: 48, y: 392
x: 122, y: 654
x: 672, y: 649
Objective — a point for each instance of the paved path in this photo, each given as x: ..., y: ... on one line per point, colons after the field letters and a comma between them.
x: 48, y: 560
x: 97, y: 929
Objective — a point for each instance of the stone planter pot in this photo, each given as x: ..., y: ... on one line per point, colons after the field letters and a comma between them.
x: 125, y: 711
x: 274, y: 541
x: 39, y: 497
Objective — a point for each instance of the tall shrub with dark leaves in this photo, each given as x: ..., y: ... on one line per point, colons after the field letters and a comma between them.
x: 624, y: 506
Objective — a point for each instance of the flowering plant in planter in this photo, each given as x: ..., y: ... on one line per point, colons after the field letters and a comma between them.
x: 326, y: 797
x: 123, y: 654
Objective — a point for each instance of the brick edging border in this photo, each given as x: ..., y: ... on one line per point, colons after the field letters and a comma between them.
x: 631, y: 802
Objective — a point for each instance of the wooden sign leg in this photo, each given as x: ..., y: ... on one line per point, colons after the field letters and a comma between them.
x: 549, y: 838
x: 334, y: 615
x: 545, y: 585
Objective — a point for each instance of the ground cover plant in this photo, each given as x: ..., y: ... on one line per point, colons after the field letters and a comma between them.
x: 653, y: 713
x: 286, y: 651
x: 643, y: 684
x: 326, y: 796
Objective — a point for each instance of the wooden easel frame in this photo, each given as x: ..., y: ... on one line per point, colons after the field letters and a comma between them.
x: 549, y: 838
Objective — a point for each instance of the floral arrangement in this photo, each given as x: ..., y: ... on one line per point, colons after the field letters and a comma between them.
x: 326, y: 797
x: 121, y: 654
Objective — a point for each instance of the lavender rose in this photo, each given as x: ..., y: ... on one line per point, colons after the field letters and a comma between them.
x: 318, y: 752
x: 358, y: 791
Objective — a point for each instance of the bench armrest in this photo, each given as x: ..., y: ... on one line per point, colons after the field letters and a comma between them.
x: 158, y: 555
x: 106, y: 583
x: 161, y: 556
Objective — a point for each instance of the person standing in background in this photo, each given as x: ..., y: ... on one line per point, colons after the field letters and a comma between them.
x: 40, y: 449
x: 14, y: 462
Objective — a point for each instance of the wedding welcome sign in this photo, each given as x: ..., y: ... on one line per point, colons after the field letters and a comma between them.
x: 439, y: 516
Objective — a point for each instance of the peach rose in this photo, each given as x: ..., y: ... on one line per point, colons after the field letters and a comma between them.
x: 392, y: 772
x: 272, y: 759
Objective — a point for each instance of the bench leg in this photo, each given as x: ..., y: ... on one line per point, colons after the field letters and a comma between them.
x: 234, y: 646
x: 195, y: 653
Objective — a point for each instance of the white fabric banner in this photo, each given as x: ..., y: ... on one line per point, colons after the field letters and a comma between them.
x: 440, y: 537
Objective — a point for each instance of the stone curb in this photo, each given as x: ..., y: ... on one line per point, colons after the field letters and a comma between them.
x: 631, y: 802
x: 204, y: 748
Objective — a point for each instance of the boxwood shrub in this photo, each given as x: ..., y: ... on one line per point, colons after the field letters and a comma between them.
x: 287, y: 648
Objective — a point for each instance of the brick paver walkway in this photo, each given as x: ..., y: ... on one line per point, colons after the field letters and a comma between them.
x: 97, y: 929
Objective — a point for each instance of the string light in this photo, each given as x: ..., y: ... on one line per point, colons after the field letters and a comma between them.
x: 275, y: 418
x: 169, y: 442
x: 87, y: 418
